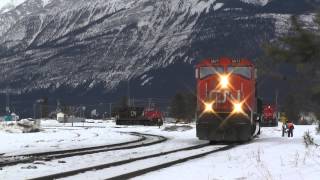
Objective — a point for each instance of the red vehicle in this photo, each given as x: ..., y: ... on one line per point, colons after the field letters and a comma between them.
x: 227, y: 100
x: 139, y: 116
x: 154, y: 116
x: 269, y: 116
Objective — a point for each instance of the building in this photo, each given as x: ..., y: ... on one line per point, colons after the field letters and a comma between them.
x: 61, y: 117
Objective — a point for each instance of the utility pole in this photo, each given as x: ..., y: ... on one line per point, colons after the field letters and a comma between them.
x: 110, y: 110
x: 34, y: 110
x: 149, y: 102
x: 277, y: 94
x: 129, y: 103
x: 277, y: 107
x: 7, y: 103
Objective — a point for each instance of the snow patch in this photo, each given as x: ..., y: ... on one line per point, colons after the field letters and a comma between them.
x: 232, y: 9
x: 282, y: 22
x: 147, y: 80
x: 143, y: 77
x: 202, y: 6
x: 217, y: 6
x: 46, y: 2
x: 179, y: 128
x: 7, y: 5
x: 257, y: 2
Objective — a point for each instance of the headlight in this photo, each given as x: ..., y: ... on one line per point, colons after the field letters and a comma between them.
x: 237, y: 108
x: 208, y: 107
x: 224, y: 81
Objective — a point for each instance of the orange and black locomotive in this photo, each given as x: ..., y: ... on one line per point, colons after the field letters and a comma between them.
x: 227, y: 106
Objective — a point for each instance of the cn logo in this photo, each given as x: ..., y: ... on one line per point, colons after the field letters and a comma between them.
x: 133, y: 113
x: 221, y: 96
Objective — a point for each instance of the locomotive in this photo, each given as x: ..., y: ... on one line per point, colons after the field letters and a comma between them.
x: 269, y: 116
x: 228, y: 109
x: 139, y: 116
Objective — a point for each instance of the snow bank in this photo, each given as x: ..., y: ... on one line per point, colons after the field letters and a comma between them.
x: 50, y: 122
x: 179, y: 128
x: 10, y: 127
x: 21, y: 126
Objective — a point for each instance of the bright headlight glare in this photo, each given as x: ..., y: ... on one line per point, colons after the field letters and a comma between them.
x: 237, y: 107
x: 224, y: 81
x: 208, y: 107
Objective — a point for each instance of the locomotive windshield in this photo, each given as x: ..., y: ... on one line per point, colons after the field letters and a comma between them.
x: 243, y: 71
x: 207, y: 71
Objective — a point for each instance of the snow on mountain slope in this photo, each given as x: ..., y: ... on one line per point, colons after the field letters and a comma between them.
x: 90, y: 44
x: 138, y: 34
x: 7, y: 5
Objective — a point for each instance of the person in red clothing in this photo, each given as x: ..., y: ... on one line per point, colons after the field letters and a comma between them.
x: 290, y: 127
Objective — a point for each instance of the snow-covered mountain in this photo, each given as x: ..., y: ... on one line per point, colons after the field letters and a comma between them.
x: 97, y: 41
x: 68, y: 44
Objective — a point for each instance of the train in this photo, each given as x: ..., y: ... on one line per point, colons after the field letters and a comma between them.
x: 139, y: 116
x: 269, y: 116
x: 228, y: 107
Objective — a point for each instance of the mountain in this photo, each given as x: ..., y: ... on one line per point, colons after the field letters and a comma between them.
x: 89, y: 48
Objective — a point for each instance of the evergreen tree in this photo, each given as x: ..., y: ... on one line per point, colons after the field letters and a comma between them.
x: 299, y: 49
x: 44, y: 107
x: 124, y: 102
x: 191, y: 105
x: 292, y: 109
x: 178, y: 107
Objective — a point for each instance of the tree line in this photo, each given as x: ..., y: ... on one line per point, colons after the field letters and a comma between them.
x: 183, y: 106
x: 300, y: 51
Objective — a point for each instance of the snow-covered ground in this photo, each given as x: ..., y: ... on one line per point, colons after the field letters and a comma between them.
x: 55, y: 136
x: 177, y: 138
x: 268, y: 157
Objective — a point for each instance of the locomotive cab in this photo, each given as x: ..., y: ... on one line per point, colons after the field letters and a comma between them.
x: 269, y: 116
x: 226, y: 100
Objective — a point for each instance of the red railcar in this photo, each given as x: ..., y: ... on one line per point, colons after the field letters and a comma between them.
x: 269, y: 116
x: 227, y: 100
x: 139, y: 116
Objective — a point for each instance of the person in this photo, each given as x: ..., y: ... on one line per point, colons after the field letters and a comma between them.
x: 290, y: 129
x: 284, y: 128
x: 159, y: 122
x: 284, y: 120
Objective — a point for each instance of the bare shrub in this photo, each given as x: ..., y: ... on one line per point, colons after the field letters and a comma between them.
x: 318, y: 127
x: 308, y: 139
x: 296, y: 159
x: 259, y: 156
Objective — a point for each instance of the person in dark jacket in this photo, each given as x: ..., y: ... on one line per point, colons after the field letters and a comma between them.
x: 284, y: 128
x: 290, y: 129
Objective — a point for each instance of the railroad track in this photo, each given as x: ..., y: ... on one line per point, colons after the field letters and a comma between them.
x: 137, y: 166
x: 73, y: 127
x: 143, y: 140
